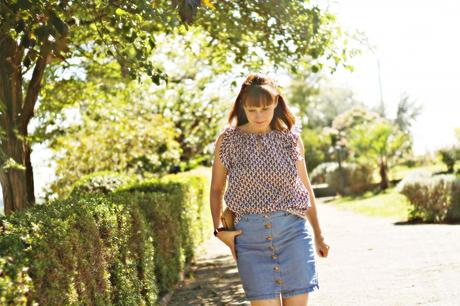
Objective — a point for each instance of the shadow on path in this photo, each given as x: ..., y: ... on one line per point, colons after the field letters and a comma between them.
x: 213, y: 279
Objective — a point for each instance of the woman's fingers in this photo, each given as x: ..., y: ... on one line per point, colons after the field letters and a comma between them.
x: 322, y: 249
x: 228, y: 237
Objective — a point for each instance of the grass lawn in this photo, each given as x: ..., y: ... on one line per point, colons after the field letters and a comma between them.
x: 384, y: 204
x: 388, y: 203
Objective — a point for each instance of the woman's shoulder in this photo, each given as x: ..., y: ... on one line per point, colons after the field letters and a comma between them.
x: 225, y: 135
x: 226, y: 131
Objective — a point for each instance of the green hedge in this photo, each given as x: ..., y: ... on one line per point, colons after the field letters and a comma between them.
x: 101, y: 182
x: 433, y: 198
x: 123, y: 248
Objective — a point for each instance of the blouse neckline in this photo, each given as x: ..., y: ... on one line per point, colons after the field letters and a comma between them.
x: 254, y: 134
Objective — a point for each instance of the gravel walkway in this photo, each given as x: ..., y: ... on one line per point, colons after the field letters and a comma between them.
x: 372, y: 261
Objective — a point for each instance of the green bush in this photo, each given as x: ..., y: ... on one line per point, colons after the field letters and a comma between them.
x: 75, y: 251
x: 121, y: 248
x: 356, y: 177
x: 319, y: 173
x: 176, y: 210
x: 317, y: 145
x: 100, y: 182
x: 434, y: 198
x: 449, y: 156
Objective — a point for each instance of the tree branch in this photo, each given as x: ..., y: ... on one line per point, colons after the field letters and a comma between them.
x: 33, y: 90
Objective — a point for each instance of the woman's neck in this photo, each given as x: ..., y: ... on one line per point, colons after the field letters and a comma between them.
x: 254, y: 129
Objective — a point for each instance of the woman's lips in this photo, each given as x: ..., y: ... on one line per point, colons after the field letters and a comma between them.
x: 259, y: 122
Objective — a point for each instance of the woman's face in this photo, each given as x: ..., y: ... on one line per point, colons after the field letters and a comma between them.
x: 260, y: 116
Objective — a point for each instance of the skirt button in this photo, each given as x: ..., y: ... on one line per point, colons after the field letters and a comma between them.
x: 269, y: 238
x: 279, y: 281
x: 277, y: 268
x: 269, y: 225
x: 274, y: 257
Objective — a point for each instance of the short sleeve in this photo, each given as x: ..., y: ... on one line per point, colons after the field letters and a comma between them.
x: 225, y: 148
x: 295, y: 134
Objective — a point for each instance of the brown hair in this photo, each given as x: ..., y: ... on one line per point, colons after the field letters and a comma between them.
x: 259, y: 90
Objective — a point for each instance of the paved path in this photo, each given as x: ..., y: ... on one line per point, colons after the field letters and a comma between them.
x: 372, y: 261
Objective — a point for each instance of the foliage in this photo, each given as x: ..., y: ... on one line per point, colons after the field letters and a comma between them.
x: 76, y: 251
x: 135, y: 146
x: 113, y: 111
x: 434, y: 198
x: 354, y: 117
x: 406, y: 113
x: 38, y: 34
x: 100, y: 182
x: 379, y: 141
x: 67, y: 29
x: 176, y: 210
x: 126, y: 30
x: 317, y: 101
x: 356, y: 178
x: 449, y: 156
x: 123, y: 248
x: 309, y: 33
x: 317, y: 147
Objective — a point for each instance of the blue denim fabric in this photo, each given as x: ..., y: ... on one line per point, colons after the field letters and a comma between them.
x: 275, y: 255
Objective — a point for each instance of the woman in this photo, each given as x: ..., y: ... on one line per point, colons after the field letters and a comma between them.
x: 270, y: 196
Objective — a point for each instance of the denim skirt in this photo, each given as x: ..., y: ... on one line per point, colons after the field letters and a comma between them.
x: 275, y: 255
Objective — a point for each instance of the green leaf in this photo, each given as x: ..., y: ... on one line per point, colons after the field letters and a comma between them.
x: 121, y: 12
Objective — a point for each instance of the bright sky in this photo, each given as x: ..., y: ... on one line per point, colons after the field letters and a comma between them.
x: 418, y: 49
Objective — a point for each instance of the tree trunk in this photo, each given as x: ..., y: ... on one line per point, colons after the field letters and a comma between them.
x: 14, y: 186
x: 16, y: 175
x: 383, y: 176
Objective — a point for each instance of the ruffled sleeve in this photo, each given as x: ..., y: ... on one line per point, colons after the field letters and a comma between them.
x: 295, y: 135
x: 225, y: 148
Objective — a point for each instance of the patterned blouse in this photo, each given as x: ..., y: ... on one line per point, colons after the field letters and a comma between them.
x: 262, y: 173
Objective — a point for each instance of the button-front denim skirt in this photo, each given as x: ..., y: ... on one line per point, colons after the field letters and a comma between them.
x: 275, y: 255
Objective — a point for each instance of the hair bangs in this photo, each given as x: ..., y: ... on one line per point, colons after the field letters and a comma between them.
x: 259, y: 97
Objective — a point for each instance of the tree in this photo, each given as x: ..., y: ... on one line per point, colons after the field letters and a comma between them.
x: 406, y: 113
x: 134, y: 127
x: 449, y: 157
x: 37, y: 34
x: 354, y: 117
x: 380, y: 143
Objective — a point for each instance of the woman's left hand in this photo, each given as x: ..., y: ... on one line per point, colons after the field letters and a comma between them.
x: 322, y: 249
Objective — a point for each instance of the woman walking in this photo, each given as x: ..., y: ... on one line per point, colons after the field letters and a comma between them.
x: 270, y: 196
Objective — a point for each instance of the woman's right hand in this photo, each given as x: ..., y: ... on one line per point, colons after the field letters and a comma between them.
x: 228, y: 237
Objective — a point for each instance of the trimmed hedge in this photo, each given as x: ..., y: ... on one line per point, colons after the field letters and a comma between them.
x: 434, y: 198
x: 101, y: 182
x: 123, y: 248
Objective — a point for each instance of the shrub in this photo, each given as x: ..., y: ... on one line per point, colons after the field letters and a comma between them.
x: 176, y: 210
x: 356, y: 177
x: 319, y: 173
x: 449, y: 156
x: 100, y: 182
x: 125, y: 247
x: 76, y: 251
x: 434, y: 198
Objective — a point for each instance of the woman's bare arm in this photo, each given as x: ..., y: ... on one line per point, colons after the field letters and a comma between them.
x: 218, y: 184
x: 312, y: 213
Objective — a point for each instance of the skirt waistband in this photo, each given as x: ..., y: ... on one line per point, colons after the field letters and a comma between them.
x: 267, y: 215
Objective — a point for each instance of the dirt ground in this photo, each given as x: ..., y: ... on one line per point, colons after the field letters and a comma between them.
x: 372, y: 261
